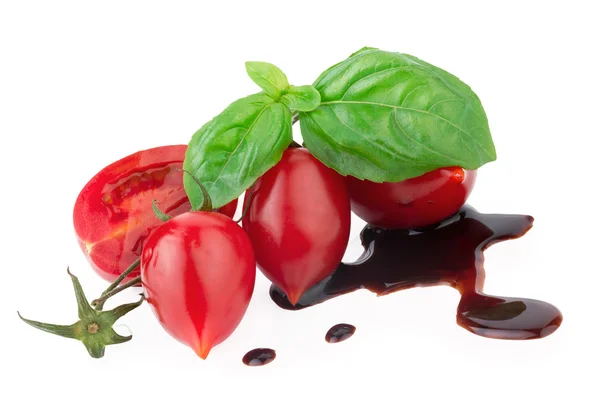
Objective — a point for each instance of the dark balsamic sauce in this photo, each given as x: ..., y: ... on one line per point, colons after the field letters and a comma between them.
x: 259, y: 357
x: 449, y: 253
x: 339, y: 333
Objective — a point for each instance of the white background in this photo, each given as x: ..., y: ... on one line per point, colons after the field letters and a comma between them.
x: 85, y: 83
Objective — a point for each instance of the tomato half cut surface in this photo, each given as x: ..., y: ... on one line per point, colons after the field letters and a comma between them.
x: 113, y: 213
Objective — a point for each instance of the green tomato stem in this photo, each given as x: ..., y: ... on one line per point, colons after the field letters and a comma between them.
x: 158, y: 213
x: 99, y: 302
x: 207, y: 201
x: 119, y: 279
x: 248, y: 201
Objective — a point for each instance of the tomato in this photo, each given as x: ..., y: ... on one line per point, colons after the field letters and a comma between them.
x: 412, y: 203
x: 198, y: 273
x: 298, y: 222
x: 113, y: 213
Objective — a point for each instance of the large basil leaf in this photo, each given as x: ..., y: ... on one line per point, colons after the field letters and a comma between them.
x: 388, y: 117
x: 236, y: 147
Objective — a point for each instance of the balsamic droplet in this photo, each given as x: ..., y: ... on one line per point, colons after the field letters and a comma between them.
x: 339, y: 333
x: 259, y: 357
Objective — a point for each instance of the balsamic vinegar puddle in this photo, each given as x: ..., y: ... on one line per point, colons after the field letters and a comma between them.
x: 450, y: 253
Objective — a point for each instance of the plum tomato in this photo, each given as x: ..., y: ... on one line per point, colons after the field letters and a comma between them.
x: 298, y: 221
x: 113, y: 213
x: 412, y: 203
x: 198, y: 272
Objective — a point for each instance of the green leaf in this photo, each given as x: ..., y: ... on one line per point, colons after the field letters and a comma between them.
x: 268, y: 77
x: 301, y: 98
x: 388, y: 117
x: 229, y: 153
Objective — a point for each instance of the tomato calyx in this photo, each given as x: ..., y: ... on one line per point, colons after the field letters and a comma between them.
x: 94, y: 328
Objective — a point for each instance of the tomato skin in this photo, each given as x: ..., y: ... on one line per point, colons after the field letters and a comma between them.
x: 229, y: 209
x: 298, y: 222
x: 198, y: 272
x: 412, y: 203
x: 113, y: 215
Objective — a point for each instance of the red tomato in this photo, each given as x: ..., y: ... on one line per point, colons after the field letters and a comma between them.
x: 298, y: 222
x: 198, y: 273
x: 113, y: 213
x: 412, y: 203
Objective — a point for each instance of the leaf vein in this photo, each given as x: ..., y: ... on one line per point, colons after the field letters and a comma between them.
x: 411, y: 92
x: 419, y: 143
x: 413, y: 110
x: 331, y: 140
x: 443, y: 101
x: 377, y: 145
x: 372, y: 74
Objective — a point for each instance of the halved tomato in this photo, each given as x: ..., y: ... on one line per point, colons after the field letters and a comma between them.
x: 113, y: 213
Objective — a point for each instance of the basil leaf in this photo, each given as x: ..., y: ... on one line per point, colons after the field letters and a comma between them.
x: 235, y: 148
x: 268, y: 77
x: 301, y: 98
x: 388, y: 117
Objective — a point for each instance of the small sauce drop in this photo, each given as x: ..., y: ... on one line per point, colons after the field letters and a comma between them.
x: 339, y: 333
x: 449, y: 253
x: 259, y: 357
